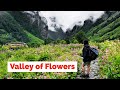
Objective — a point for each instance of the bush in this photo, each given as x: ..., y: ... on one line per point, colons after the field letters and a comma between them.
x: 44, y: 56
x: 47, y: 41
x: 62, y: 42
x: 110, y: 63
x: 31, y: 57
x: 5, y: 47
x: 34, y: 44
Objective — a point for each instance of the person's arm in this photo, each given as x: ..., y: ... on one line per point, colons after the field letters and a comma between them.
x: 83, y: 53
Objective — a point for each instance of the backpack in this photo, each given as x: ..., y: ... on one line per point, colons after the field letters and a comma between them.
x: 93, y: 53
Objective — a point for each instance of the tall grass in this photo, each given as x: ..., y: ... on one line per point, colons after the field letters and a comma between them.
x: 43, y: 53
x: 109, y: 59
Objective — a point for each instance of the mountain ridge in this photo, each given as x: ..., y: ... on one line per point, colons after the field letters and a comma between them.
x: 99, y: 31
x: 26, y: 26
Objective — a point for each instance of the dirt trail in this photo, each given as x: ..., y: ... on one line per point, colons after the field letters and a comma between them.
x: 93, y: 72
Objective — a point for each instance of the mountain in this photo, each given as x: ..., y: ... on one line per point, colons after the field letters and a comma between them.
x: 32, y: 28
x: 26, y: 26
x: 31, y: 21
x: 57, y: 33
x: 16, y: 28
x: 104, y: 28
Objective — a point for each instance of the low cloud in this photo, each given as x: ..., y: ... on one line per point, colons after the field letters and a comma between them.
x: 68, y: 18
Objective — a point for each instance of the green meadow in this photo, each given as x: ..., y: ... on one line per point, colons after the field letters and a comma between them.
x: 109, y: 59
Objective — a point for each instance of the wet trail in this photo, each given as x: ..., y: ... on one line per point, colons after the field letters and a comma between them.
x: 94, y: 72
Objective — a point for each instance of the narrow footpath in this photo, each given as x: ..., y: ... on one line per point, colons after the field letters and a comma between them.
x: 93, y: 72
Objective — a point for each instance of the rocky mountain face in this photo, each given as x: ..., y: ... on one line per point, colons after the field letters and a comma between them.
x: 14, y: 23
x: 101, y: 29
x: 20, y: 26
x: 31, y: 27
x: 32, y: 22
x: 39, y: 26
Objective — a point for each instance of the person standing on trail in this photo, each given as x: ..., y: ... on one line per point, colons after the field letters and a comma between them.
x: 86, y: 59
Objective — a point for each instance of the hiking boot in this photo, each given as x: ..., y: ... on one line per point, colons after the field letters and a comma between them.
x: 82, y: 75
x: 87, y: 75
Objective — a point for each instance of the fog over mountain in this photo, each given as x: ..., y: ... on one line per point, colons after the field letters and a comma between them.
x: 67, y: 19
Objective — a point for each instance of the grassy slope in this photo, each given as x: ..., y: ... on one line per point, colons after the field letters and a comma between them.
x: 25, y: 22
x: 11, y: 30
x: 5, y: 37
x: 105, y: 27
x: 33, y: 41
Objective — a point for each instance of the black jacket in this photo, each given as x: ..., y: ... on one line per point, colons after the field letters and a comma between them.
x: 85, y: 53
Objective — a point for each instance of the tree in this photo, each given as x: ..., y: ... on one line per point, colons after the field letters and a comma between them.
x: 73, y: 40
x: 63, y: 42
x: 80, y: 36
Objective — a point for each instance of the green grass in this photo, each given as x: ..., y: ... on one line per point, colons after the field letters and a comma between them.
x: 109, y: 62
x: 43, y: 53
x: 107, y: 30
x: 33, y: 41
x: 110, y: 59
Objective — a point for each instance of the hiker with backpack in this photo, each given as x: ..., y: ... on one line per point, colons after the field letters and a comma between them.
x: 88, y: 55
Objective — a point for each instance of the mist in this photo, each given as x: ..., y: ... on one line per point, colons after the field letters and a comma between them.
x: 67, y: 19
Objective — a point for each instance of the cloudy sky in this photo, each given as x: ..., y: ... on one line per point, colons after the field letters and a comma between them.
x: 68, y: 18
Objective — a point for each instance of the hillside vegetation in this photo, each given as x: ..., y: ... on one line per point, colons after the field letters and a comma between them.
x: 14, y: 23
x: 46, y: 45
x: 108, y: 60
x: 104, y: 28
x: 107, y: 30
x: 12, y: 31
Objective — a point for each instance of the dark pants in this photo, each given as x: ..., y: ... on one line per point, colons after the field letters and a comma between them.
x: 86, y: 61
